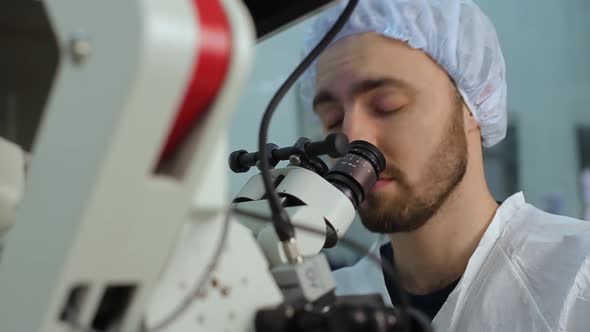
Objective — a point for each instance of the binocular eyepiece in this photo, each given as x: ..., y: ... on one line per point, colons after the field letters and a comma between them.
x: 354, y: 174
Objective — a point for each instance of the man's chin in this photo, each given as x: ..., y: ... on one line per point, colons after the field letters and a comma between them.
x: 385, y: 216
x: 389, y: 226
x: 392, y: 212
x: 384, y: 201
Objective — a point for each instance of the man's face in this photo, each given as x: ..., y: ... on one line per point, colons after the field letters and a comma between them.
x: 379, y: 90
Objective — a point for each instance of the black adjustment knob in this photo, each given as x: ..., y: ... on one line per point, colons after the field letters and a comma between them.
x: 335, y: 145
x: 235, y: 163
x: 270, y: 153
x: 241, y: 161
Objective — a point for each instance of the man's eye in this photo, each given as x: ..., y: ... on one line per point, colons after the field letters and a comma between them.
x: 335, y: 126
x: 386, y: 111
x: 388, y: 103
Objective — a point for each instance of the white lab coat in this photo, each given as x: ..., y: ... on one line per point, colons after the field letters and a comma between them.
x: 530, y: 272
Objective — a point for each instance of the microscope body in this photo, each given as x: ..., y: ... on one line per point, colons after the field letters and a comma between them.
x: 308, y: 199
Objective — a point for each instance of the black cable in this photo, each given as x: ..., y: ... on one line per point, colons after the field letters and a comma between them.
x: 387, y: 266
x: 282, y: 224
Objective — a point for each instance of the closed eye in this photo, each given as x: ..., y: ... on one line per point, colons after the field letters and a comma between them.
x: 388, y: 111
x: 335, y: 126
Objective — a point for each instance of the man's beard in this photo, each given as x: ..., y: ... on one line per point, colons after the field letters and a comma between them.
x: 409, y: 210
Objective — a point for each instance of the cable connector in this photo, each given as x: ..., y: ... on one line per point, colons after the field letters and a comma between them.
x: 292, y: 251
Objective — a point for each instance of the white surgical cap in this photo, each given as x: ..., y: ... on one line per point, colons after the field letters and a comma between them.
x: 454, y: 33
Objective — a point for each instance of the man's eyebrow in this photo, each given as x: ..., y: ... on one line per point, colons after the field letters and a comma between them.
x: 325, y: 96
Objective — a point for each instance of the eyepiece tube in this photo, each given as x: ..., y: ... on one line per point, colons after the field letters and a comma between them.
x: 356, y: 173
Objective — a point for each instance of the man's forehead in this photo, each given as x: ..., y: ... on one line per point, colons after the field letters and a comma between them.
x: 353, y: 61
x: 339, y: 54
x: 364, y: 56
x: 362, y: 40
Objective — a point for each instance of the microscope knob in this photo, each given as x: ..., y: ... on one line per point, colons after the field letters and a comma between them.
x: 335, y: 145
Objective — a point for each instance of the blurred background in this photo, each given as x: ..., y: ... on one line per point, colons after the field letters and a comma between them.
x: 546, y: 153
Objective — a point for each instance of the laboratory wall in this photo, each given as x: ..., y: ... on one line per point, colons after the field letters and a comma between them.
x: 546, y: 47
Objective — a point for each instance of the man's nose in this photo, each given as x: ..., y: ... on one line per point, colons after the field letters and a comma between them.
x: 358, y: 125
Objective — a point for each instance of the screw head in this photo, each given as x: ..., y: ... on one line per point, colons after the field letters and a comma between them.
x: 80, y: 49
x: 295, y: 160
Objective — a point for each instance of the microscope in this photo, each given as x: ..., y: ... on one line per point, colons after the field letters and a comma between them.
x: 316, y: 198
x: 124, y: 223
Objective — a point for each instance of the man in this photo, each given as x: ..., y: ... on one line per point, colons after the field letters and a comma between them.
x: 424, y: 81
